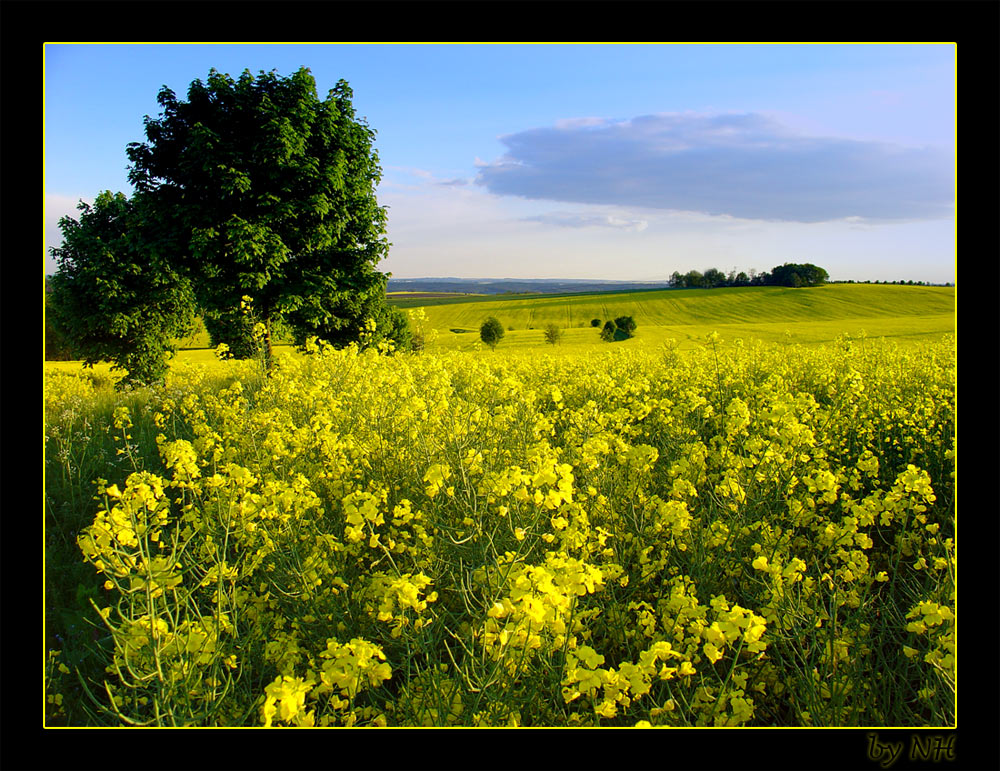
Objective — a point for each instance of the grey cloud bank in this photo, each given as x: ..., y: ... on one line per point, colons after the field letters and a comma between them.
x: 746, y: 166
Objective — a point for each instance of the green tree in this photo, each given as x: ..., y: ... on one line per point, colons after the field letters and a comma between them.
x: 693, y: 279
x: 491, y: 332
x: 115, y: 296
x: 553, y: 334
x: 234, y: 328
x: 626, y: 324
x: 263, y: 189
x: 609, y: 331
x: 795, y: 275
x: 712, y: 278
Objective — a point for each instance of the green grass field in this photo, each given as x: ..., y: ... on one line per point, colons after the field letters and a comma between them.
x: 772, y: 314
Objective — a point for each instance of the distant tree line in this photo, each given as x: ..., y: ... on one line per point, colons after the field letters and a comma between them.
x: 908, y: 282
x: 789, y: 274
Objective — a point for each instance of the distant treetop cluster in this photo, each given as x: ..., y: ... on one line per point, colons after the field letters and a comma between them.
x: 789, y: 274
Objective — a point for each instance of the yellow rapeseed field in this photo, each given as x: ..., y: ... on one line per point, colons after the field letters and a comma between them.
x: 740, y: 534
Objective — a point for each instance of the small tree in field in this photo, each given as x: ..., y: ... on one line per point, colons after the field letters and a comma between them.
x: 114, y: 297
x: 491, y: 332
x: 595, y: 322
x: 553, y: 334
x: 608, y: 333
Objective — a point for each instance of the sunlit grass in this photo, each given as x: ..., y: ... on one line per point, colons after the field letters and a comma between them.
x: 698, y: 307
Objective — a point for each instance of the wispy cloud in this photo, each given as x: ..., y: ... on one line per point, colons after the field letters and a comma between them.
x: 567, y: 219
x: 413, y: 178
x: 742, y: 165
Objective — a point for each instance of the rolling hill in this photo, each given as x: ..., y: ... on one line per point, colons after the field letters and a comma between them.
x: 681, y: 307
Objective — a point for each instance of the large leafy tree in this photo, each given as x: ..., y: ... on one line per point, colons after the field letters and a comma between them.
x: 115, y: 295
x: 491, y: 332
x: 263, y: 189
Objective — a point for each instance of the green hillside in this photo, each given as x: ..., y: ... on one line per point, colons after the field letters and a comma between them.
x: 681, y: 307
x: 813, y: 315
x: 772, y: 314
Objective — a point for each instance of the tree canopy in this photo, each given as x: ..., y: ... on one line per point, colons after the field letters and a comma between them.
x: 793, y: 274
x: 626, y: 325
x: 491, y: 332
x: 114, y: 296
x: 260, y: 188
x: 252, y: 187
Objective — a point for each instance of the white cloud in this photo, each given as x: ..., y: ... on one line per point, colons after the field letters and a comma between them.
x: 466, y: 231
x: 572, y: 123
x: 568, y: 219
x: 747, y: 166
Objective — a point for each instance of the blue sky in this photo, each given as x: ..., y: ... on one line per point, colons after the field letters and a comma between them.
x: 587, y: 161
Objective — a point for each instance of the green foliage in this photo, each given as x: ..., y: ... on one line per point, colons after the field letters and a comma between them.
x: 626, y: 324
x: 694, y: 279
x: 795, y: 275
x: 595, y: 322
x: 114, y: 296
x: 57, y: 346
x: 712, y: 278
x: 392, y: 324
x: 609, y: 331
x: 263, y: 189
x: 235, y: 329
x: 789, y: 274
x: 553, y: 333
x: 491, y: 332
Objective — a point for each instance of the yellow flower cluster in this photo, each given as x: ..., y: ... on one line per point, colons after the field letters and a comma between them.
x: 745, y: 535
x: 540, y: 603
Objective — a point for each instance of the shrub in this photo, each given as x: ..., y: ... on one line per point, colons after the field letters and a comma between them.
x: 626, y: 324
x: 491, y: 332
x: 595, y: 322
x: 394, y: 325
x: 608, y: 333
x: 553, y: 334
